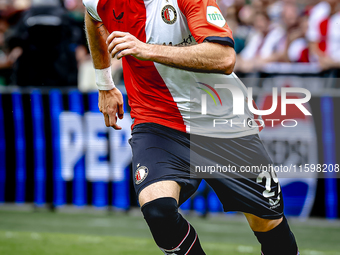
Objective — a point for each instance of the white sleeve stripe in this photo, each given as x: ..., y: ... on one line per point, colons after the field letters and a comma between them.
x: 93, y: 16
x: 91, y: 7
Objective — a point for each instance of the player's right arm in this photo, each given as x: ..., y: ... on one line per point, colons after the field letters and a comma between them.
x: 214, y: 52
x: 110, y: 100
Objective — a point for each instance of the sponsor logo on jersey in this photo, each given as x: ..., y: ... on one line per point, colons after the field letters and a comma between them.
x: 119, y: 17
x: 214, y: 16
x: 169, y: 14
x: 141, y: 173
x: 186, y: 41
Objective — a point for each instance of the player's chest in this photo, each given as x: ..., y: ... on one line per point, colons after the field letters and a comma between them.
x: 152, y: 21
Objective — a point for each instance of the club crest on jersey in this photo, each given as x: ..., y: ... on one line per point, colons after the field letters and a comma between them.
x: 169, y: 14
x: 141, y: 174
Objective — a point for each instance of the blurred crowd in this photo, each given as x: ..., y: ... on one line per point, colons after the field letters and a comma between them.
x: 288, y: 31
x: 42, y: 42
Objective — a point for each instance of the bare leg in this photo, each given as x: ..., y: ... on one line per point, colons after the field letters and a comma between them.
x: 158, y: 190
x: 261, y: 225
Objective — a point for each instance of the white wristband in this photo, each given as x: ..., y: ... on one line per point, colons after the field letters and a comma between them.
x: 104, y: 79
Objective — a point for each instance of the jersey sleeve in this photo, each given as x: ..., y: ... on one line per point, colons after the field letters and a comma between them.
x: 319, y: 13
x: 206, y: 21
x: 91, y: 7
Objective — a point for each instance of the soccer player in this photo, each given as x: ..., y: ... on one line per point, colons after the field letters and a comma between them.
x: 172, y: 50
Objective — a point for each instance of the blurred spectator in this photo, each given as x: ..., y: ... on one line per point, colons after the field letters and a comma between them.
x: 86, y: 73
x: 76, y: 11
x: 48, y: 40
x: 274, y: 9
x: 262, y: 46
x: 7, y: 57
x: 241, y: 25
x: 324, y: 34
x: 271, y: 7
x: 295, y: 44
x: 264, y: 31
x: 5, y: 60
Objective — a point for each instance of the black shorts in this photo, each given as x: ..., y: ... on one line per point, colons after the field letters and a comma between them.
x: 161, y: 153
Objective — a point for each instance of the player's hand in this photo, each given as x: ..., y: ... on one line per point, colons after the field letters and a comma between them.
x: 110, y: 103
x: 122, y: 44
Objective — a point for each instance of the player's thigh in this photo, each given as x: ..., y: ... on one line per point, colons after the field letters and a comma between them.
x: 261, y: 225
x: 256, y: 192
x: 161, y: 163
x: 158, y: 190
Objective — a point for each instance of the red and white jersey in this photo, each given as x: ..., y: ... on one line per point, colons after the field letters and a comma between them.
x: 329, y: 36
x: 170, y: 96
x: 324, y: 28
x: 298, y: 51
x: 318, y: 13
x: 264, y: 46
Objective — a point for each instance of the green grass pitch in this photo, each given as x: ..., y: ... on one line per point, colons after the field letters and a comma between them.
x: 80, y: 233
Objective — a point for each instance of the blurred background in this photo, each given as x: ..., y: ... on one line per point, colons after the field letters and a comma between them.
x: 63, y: 172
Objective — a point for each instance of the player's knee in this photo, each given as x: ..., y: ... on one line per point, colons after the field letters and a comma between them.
x: 160, y: 211
x: 172, y: 233
x: 164, y: 221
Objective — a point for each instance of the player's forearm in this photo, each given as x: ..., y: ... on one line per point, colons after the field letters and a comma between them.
x: 204, y: 57
x: 96, y: 36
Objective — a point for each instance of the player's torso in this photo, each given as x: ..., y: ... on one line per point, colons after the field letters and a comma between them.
x: 166, y: 95
x: 161, y: 20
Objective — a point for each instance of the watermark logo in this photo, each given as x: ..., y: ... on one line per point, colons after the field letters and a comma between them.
x: 204, y: 96
x: 238, y: 98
